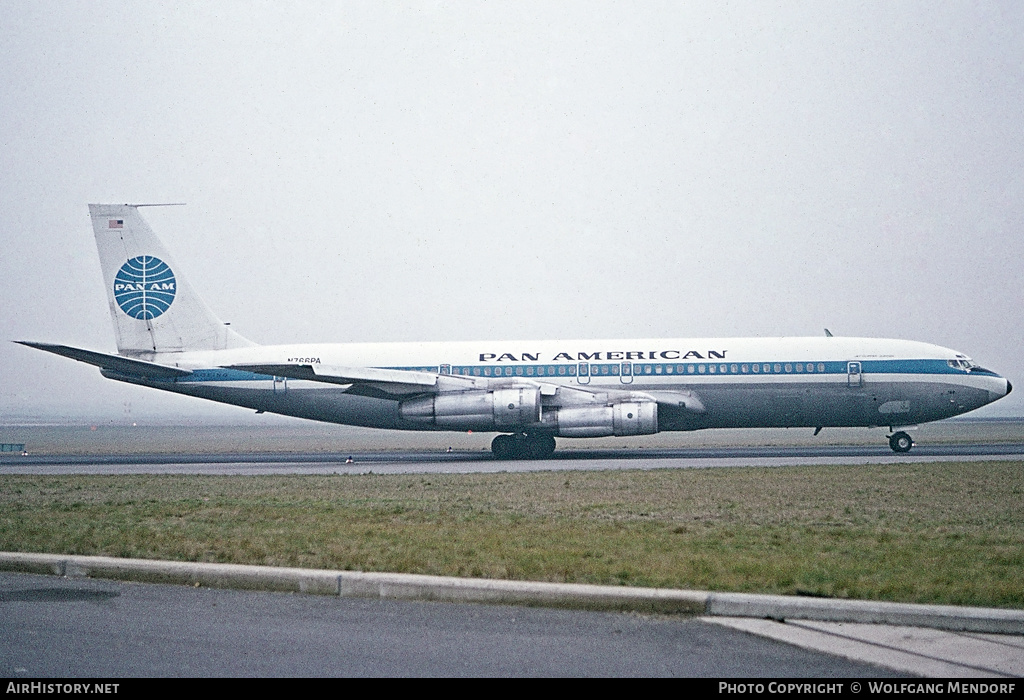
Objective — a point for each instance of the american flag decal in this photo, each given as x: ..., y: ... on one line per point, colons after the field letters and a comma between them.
x: 116, y: 223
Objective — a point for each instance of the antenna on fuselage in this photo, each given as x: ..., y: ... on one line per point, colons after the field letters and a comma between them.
x: 828, y: 333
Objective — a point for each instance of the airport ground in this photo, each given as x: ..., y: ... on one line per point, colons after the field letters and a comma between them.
x: 100, y: 618
x: 277, y: 435
x: 933, y: 511
x: 86, y: 628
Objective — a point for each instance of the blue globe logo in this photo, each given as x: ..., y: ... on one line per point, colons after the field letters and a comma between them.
x: 144, y: 287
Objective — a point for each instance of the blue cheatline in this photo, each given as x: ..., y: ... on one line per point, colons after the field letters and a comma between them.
x: 144, y: 287
x: 700, y: 371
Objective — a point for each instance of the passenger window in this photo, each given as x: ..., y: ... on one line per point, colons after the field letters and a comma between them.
x: 756, y: 368
x: 744, y: 368
x: 700, y: 368
x: 821, y: 366
x: 778, y: 368
x: 711, y: 369
x: 734, y: 369
x: 789, y: 368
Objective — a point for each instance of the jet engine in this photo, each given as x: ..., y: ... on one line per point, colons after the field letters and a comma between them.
x: 640, y: 418
x: 502, y: 408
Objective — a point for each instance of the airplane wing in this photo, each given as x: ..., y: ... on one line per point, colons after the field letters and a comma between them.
x: 370, y: 381
x: 343, y: 375
x: 374, y: 381
x: 114, y: 363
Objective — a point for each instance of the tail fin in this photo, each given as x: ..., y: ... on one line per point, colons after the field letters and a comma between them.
x: 153, y: 306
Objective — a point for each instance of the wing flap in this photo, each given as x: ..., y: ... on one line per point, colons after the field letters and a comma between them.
x: 343, y: 375
x: 376, y: 381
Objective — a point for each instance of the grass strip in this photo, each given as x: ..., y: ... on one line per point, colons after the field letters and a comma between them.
x: 943, y: 532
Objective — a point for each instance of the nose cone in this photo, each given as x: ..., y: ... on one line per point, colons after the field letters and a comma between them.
x: 1000, y: 390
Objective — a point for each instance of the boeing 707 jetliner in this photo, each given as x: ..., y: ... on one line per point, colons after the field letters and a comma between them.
x: 529, y: 391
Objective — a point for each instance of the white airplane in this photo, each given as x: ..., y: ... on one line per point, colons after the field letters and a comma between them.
x: 530, y: 391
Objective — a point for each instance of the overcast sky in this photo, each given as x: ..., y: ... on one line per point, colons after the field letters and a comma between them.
x: 363, y: 171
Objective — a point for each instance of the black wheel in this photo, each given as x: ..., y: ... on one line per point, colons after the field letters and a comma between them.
x: 503, y: 447
x: 539, y: 445
x: 523, y: 446
x: 900, y: 442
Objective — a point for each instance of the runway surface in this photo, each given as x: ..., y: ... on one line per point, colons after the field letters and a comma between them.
x: 464, y: 461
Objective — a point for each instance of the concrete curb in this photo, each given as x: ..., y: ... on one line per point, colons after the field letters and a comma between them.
x: 567, y: 595
x: 952, y: 618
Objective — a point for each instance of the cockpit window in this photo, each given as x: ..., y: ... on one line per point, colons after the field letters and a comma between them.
x: 961, y: 364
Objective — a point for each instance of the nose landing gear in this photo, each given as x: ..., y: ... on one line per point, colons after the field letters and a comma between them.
x: 900, y: 442
x: 523, y: 446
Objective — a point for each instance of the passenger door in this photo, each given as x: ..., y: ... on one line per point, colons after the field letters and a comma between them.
x: 854, y: 377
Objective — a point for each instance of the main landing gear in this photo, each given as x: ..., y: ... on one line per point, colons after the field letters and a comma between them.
x: 900, y: 442
x: 523, y: 446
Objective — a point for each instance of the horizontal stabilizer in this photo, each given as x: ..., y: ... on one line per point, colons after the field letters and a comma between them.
x: 115, y: 363
x: 344, y: 375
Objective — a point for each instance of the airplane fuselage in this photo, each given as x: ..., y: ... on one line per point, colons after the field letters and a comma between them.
x: 721, y: 382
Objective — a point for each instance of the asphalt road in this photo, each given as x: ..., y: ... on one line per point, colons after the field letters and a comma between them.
x: 68, y: 628
x: 411, y: 461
